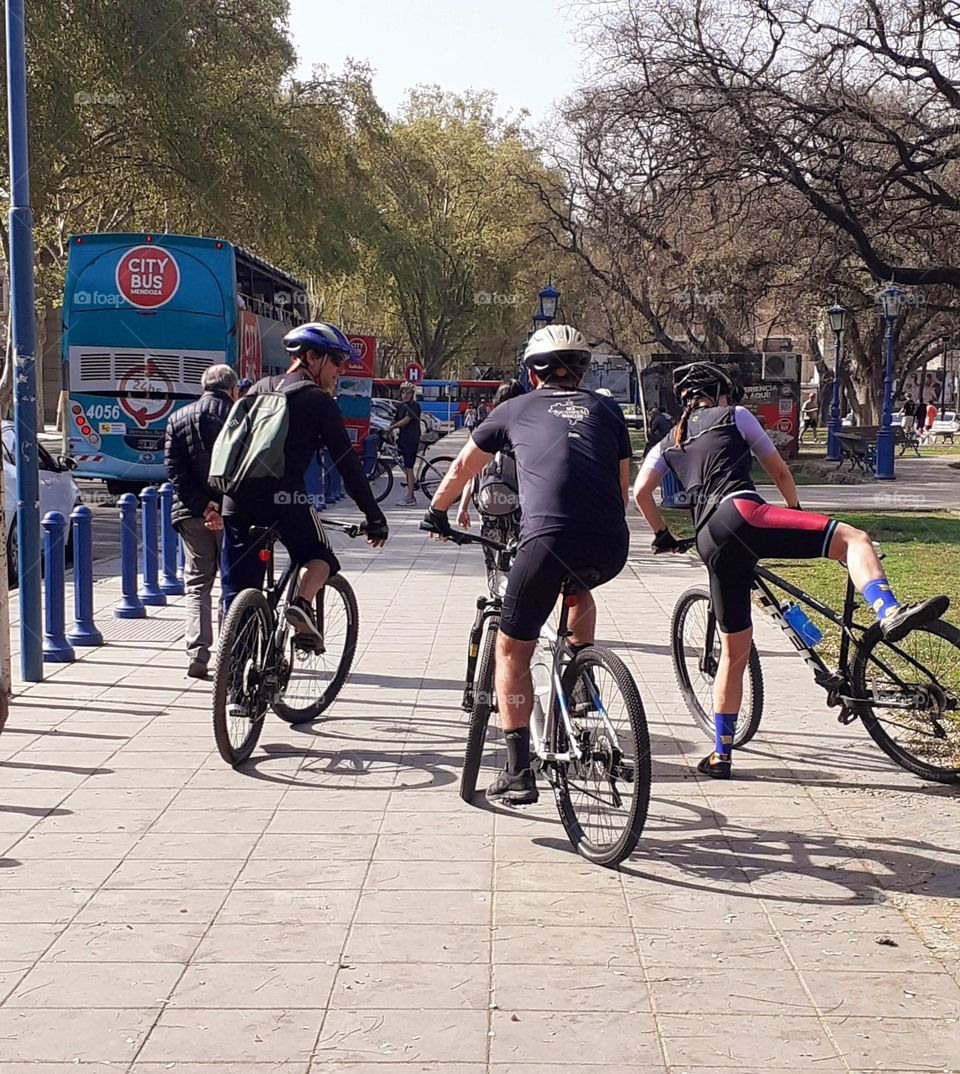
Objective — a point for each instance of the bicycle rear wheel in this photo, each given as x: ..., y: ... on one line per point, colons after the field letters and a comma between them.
x: 381, y: 480
x: 910, y: 698
x: 432, y: 473
x: 603, y: 798
x: 239, y: 695
x: 314, y: 680
x: 480, y: 715
x: 695, y: 670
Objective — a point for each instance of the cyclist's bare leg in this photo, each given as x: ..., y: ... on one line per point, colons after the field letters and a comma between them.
x: 411, y: 484
x: 854, y: 547
x: 582, y: 619
x: 513, y: 682
x: 728, y: 685
x: 313, y: 577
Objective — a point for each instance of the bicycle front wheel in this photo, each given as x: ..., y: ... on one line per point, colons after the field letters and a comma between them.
x: 480, y: 714
x: 603, y: 797
x: 239, y: 692
x: 432, y: 473
x: 695, y: 668
x: 909, y: 694
x: 381, y: 480
x: 311, y: 681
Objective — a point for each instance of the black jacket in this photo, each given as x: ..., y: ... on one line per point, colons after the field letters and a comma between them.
x: 191, y: 432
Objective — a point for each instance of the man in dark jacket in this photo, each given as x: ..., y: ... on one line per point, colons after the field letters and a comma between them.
x: 191, y: 433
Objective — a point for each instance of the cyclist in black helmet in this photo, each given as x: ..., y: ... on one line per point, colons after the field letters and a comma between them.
x: 572, y: 451
x: 711, y: 453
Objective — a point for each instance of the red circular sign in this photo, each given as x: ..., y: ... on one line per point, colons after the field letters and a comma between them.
x: 148, y: 276
x: 140, y: 380
x: 413, y: 372
x: 359, y: 345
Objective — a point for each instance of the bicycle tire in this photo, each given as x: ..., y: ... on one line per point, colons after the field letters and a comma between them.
x: 628, y: 755
x: 432, y: 473
x: 327, y: 672
x: 238, y: 679
x: 381, y: 481
x: 751, y: 707
x: 875, y: 655
x: 480, y: 714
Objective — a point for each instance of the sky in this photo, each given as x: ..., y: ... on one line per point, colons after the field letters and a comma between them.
x: 522, y: 49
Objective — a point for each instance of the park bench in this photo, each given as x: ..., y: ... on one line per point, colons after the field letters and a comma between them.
x: 858, y: 446
x: 945, y: 427
x: 904, y: 440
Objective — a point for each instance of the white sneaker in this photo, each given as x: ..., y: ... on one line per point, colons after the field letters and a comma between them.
x: 409, y: 501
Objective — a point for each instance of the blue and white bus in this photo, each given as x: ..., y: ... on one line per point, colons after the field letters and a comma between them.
x: 143, y: 317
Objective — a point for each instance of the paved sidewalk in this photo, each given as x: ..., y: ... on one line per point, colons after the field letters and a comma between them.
x: 334, y: 907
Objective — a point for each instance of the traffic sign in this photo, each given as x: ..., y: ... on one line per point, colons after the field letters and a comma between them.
x: 413, y: 372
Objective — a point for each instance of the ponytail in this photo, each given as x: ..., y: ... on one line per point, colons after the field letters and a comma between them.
x: 680, y: 432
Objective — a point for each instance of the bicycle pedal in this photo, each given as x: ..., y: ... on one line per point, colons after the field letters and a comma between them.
x: 830, y: 681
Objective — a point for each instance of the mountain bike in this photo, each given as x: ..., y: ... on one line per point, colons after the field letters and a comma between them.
x: 429, y: 472
x: 906, y: 693
x: 261, y: 663
x: 588, y: 729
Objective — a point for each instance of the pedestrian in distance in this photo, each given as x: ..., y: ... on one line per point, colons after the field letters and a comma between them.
x: 191, y: 432
x: 658, y: 425
x: 809, y: 417
x: 909, y: 413
x: 470, y: 418
x: 407, y: 422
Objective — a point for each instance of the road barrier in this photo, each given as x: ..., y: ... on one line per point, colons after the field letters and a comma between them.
x: 84, y: 631
x: 56, y: 648
x: 153, y: 595
x: 170, y: 584
x: 130, y: 606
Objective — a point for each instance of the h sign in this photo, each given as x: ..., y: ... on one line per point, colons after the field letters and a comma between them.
x: 413, y: 373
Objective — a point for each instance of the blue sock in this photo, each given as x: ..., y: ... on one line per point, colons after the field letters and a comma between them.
x: 879, y: 596
x: 725, y: 725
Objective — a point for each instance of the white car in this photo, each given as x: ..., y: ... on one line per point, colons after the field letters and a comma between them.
x: 58, y: 492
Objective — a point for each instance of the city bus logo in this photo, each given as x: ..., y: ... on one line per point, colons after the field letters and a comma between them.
x: 138, y: 380
x: 148, y: 276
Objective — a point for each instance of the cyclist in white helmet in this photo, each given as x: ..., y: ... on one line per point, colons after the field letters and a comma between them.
x: 572, y: 451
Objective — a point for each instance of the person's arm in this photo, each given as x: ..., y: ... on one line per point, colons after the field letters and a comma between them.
x: 404, y: 418
x: 464, y: 468
x: 334, y: 436
x: 767, y: 455
x: 179, y: 466
x: 463, y: 515
x: 648, y: 480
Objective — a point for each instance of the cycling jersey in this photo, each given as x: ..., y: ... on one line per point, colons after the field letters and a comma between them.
x: 715, y: 459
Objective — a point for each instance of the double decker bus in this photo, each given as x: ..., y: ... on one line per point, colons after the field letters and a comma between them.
x: 446, y: 400
x: 143, y: 316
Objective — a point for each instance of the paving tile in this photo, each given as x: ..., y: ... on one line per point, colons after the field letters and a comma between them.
x: 891, y: 1043
x: 268, y: 943
x: 412, y: 986
x: 100, y: 820
x: 424, y: 907
x: 317, y: 847
x: 861, y: 951
x: 426, y: 1036
x: 333, y: 799
x: 414, y: 847
x: 54, y: 905
x: 109, y: 942
x: 324, y: 1065
x: 428, y: 875
x: 177, y: 875
x: 59, y: 845
x: 93, y: 1036
x: 698, y: 949
x: 214, y: 1067
x: 588, y: 988
x: 45, y: 873
x: 203, y: 1036
x: 589, y: 908
x: 211, y: 821
x: 547, y: 1037
x: 180, y: 847
x: 570, y: 946
x: 274, y: 873
x: 254, y: 906
x: 554, y: 876
x: 856, y: 993
x: 383, y: 943
x: 254, y: 986
x: 304, y: 822
x: 27, y: 942
x: 716, y: 989
x: 131, y: 906
x: 96, y: 984
x: 777, y: 1042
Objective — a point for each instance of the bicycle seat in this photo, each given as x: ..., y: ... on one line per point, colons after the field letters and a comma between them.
x: 585, y: 578
x: 265, y: 535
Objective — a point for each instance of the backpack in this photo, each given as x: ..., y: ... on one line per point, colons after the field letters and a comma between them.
x: 498, y: 492
x: 250, y: 449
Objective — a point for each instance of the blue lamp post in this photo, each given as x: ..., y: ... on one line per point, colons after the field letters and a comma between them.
x: 838, y: 316
x: 891, y: 299
x: 549, y: 297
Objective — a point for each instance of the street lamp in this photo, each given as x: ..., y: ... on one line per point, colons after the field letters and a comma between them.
x: 549, y: 297
x: 891, y: 300
x: 838, y: 316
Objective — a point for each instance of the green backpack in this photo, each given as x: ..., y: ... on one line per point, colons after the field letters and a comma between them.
x: 249, y: 452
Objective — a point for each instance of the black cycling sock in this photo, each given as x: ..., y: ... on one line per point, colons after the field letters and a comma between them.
x: 518, y: 749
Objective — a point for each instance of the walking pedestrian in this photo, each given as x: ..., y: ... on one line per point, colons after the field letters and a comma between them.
x: 407, y: 421
x: 470, y: 418
x: 809, y: 415
x: 909, y: 416
x: 191, y: 433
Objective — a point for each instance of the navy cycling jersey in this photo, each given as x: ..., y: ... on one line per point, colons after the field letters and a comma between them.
x: 715, y: 459
x: 568, y: 446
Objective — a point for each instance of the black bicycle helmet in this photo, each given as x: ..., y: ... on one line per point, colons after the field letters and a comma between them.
x: 705, y: 379
x: 557, y: 347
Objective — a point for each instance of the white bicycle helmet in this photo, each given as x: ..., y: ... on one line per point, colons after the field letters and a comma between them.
x: 556, y: 347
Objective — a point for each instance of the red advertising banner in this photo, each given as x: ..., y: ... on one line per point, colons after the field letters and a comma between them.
x: 365, y: 349
x: 249, y: 354
x: 355, y: 388
x: 777, y: 407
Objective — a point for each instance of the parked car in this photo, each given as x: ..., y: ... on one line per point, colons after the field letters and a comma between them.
x: 58, y: 492
x: 382, y: 413
x: 946, y: 427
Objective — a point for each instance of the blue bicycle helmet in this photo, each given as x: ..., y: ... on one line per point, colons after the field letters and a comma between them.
x: 317, y: 336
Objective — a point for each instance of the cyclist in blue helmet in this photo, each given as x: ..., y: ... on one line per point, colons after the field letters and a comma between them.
x: 317, y: 352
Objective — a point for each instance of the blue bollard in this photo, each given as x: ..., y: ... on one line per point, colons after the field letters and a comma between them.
x: 56, y: 648
x: 130, y: 606
x: 153, y: 595
x: 170, y: 584
x: 84, y: 630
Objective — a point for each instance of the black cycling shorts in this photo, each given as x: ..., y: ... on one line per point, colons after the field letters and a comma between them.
x: 544, y: 563
x: 745, y: 529
x: 301, y: 533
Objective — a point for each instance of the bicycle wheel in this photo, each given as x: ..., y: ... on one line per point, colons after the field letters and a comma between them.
x: 381, y: 480
x: 239, y: 696
x: 314, y: 680
x: 480, y: 716
x: 431, y: 474
x: 910, y: 698
x: 688, y: 635
x: 603, y: 798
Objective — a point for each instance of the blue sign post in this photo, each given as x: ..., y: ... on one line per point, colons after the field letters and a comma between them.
x: 24, y: 360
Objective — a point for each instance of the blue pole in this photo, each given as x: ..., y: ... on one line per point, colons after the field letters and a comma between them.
x: 834, y: 425
x: 24, y: 360
x: 153, y: 595
x: 170, y: 584
x: 84, y: 630
x: 56, y: 648
x: 130, y: 606
x: 884, y: 471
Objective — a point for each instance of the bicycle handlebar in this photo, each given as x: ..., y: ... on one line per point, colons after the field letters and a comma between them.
x: 683, y: 545
x: 462, y: 537
x: 351, y: 529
